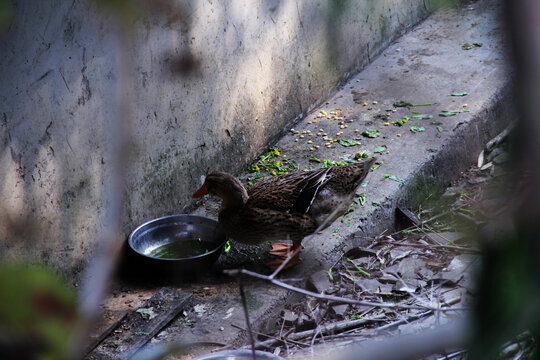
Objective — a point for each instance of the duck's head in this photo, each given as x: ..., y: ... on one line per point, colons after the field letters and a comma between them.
x: 224, y: 185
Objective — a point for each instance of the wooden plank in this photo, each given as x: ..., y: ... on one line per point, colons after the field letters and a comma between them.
x: 104, y: 328
x: 141, y: 325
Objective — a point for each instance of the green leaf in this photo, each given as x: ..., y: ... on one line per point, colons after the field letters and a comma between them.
x: 440, y: 128
x: 362, y: 198
x: 468, y: 46
x: 358, y: 268
x: 459, y: 93
x: 380, y: 149
x: 365, y: 183
x: 393, y: 177
x: 371, y: 133
x: 227, y: 246
x: 314, y: 159
x: 414, y: 129
x: 447, y: 113
x: 401, y: 121
x: 402, y: 103
x: 361, y: 155
x: 422, y: 116
x: 375, y: 203
x: 330, y: 276
x: 348, y: 142
x: 408, y: 104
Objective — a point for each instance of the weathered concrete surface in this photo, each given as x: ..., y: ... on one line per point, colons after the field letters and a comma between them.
x: 424, y: 66
x: 261, y: 64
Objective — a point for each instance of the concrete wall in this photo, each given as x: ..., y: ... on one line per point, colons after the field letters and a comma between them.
x: 261, y: 65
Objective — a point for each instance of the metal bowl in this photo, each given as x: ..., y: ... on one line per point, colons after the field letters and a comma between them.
x: 185, y: 245
x: 239, y: 355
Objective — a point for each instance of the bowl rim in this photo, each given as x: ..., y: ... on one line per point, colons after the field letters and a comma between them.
x: 217, y: 248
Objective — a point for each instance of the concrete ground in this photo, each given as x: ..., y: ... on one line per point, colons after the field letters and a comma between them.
x: 454, y: 50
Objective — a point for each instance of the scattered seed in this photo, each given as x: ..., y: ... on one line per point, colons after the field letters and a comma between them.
x: 386, y: 124
x: 296, y: 140
x: 316, y: 146
x: 310, y: 142
x: 314, y: 121
x: 465, y: 105
x: 301, y: 136
x: 388, y: 152
x: 304, y: 132
x: 398, y: 135
x: 356, y: 130
x: 329, y: 146
x: 364, y: 104
x: 311, y: 149
x: 297, y: 132
x: 342, y: 126
x: 325, y: 134
x: 310, y: 134
x: 394, y: 110
x: 342, y: 123
x: 374, y: 103
x: 292, y: 130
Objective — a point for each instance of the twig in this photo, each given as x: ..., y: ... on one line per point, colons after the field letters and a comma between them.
x: 336, y: 299
x: 500, y: 137
x: 403, y: 321
x: 277, y: 339
x: 328, y: 329
x: 432, y: 246
x: 452, y: 355
x: 246, y: 313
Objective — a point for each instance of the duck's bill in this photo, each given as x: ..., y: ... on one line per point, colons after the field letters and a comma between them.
x: 201, y: 192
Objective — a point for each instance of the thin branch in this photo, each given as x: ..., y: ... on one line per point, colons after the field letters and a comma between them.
x: 325, y: 330
x: 246, y: 313
x: 280, y: 339
x: 432, y: 246
x: 336, y: 299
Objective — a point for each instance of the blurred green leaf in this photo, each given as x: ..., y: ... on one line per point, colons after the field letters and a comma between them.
x: 37, y: 307
x: 371, y: 133
x: 459, y: 93
x: 447, y: 113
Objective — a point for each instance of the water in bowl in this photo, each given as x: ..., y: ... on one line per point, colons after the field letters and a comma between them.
x: 182, y: 249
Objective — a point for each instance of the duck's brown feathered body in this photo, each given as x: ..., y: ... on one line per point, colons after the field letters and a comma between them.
x: 287, y: 207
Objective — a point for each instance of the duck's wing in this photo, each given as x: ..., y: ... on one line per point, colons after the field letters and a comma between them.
x: 292, y: 193
x: 346, y: 179
x: 254, y: 225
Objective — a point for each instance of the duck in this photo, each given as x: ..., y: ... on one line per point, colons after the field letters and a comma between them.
x: 286, y: 207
